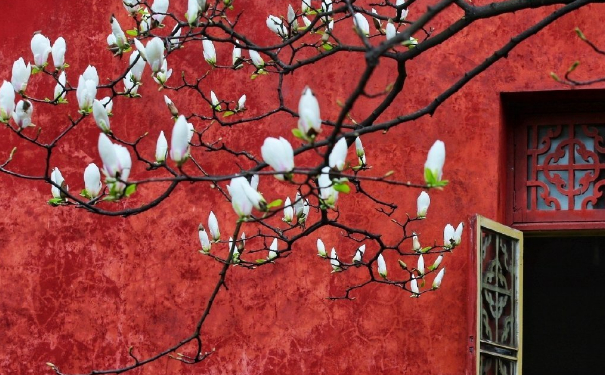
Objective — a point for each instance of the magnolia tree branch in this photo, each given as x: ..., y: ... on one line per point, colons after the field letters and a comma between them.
x: 311, y: 35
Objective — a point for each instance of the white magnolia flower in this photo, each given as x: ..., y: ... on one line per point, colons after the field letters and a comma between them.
x: 40, y: 46
x: 309, y: 121
x: 175, y: 40
x: 458, y: 234
x: 449, y: 234
x: 414, y: 288
x: 254, y: 181
x: 306, y: 6
x: 422, y: 204
x: 154, y: 54
x: 279, y: 155
x: 326, y: 188
x: 241, y: 103
x: 326, y: 6
x: 179, y: 142
x: 193, y: 10
x: 404, y: 12
x: 291, y: 16
x: 159, y: 6
x: 137, y: 65
x: 171, y: 107
x: 209, y: 51
x: 145, y: 23
x: 244, y: 198
x: 20, y: 75
x: 382, y: 266
x: 116, y: 163
x: 86, y: 93
x: 58, y: 52
x: 236, y: 55
x: 92, y: 181
x: 119, y: 38
x: 242, y: 242
x: 7, y: 101
x: 132, y: 6
x: 338, y: 155
x: 361, y: 24
x: 204, y: 240
x: 298, y: 205
x: 321, y: 248
x: 438, y: 279
x: 162, y: 76
x: 361, y: 154
x: 288, y: 211
x: 276, y: 25
x: 90, y: 74
x: 305, y: 214
x: 100, y: 115
x: 216, y: 104
x: 273, y: 250
x: 108, y: 103
x: 433, y: 167
x: 112, y: 43
x: 334, y: 261
x: 233, y: 248
x: 57, y: 178
x: 359, y: 253
x: 416, y: 243
x: 306, y: 21
x: 60, y: 87
x: 437, y: 262
x: 213, y: 227
x: 131, y: 85
x: 391, y: 30
x: 376, y: 20
x: 257, y: 60
x: 161, y: 148
x: 420, y: 267
x: 23, y: 113
x: 329, y: 29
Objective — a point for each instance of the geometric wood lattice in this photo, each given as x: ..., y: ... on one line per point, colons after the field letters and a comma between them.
x: 565, y: 167
x: 499, y: 271
x: 559, y: 171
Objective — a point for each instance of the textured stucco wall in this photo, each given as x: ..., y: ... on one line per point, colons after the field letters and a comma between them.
x: 78, y: 290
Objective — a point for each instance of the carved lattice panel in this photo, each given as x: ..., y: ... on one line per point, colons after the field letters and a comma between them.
x: 498, y: 297
x: 559, y: 170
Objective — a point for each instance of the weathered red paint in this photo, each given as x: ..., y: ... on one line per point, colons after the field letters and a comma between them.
x: 78, y: 289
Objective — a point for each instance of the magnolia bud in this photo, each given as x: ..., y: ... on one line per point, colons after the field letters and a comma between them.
x: 213, y: 227
x: 382, y: 266
x: 321, y: 249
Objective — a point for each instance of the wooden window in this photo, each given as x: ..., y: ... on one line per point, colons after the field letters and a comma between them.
x: 499, y: 310
x: 557, y: 160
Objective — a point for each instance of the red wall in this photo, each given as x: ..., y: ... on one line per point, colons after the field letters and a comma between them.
x: 78, y: 289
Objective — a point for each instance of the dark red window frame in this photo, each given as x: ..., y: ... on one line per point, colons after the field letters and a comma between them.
x: 549, y: 166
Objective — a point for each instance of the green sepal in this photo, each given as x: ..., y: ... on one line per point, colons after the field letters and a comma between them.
x: 130, y: 189
x: 84, y: 193
x: 228, y: 113
x: 253, y: 76
x: 275, y: 203
x: 432, y: 180
x: 425, y: 249
x: 56, y: 201
x: 261, y: 261
x: 327, y: 46
x: 342, y: 187
x: 298, y: 133
x: 132, y: 32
